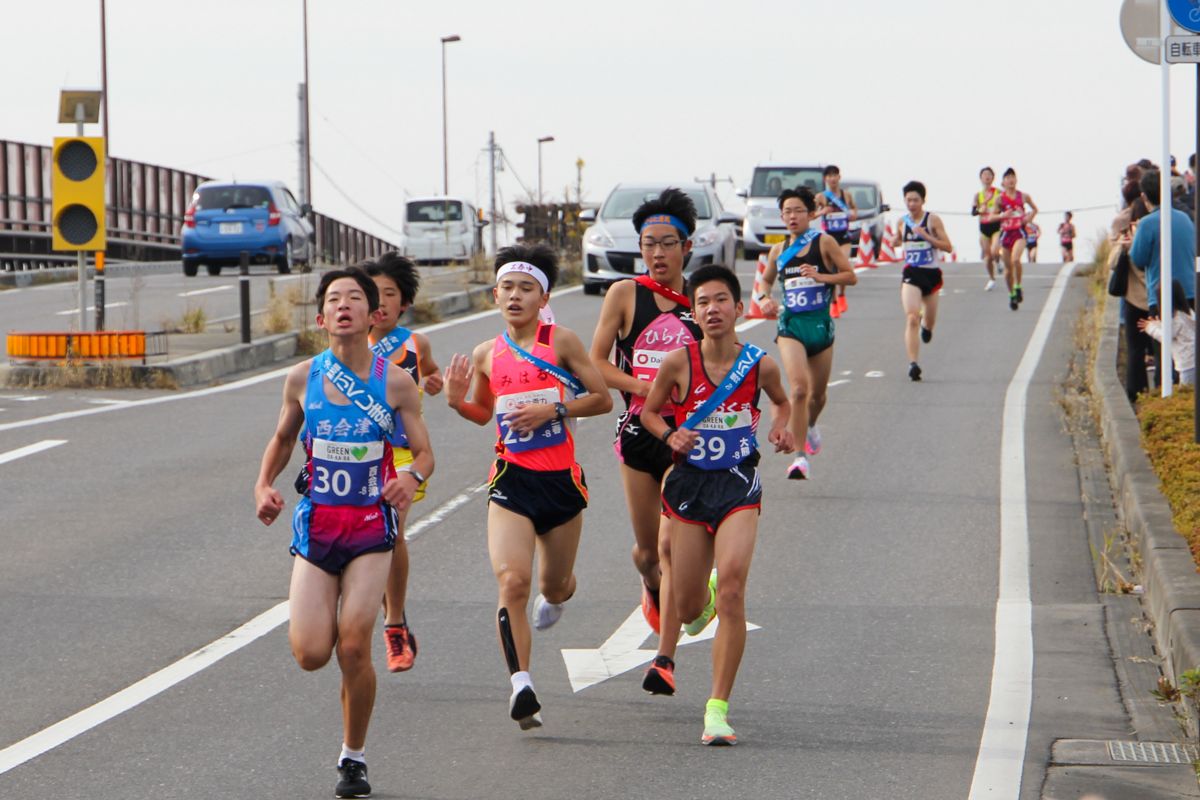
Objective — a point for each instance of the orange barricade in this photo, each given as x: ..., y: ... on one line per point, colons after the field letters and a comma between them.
x: 75, y: 345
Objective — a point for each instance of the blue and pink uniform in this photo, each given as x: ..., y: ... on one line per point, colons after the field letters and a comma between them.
x: 342, y: 514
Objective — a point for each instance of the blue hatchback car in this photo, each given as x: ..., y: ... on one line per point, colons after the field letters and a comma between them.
x: 260, y: 217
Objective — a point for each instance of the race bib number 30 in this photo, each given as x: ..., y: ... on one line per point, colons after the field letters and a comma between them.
x: 726, y: 438
x: 549, y: 434
x: 804, y: 294
x: 918, y: 254
x: 346, y: 473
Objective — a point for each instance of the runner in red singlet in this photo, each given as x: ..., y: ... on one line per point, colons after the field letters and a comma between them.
x: 1013, y: 219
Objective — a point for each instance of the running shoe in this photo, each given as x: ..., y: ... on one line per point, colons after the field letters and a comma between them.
x: 545, y: 613
x: 914, y: 371
x: 401, y: 647
x: 926, y: 335
x: 842, y: 305
x: 650, y: 606
x: 798, y: 471
x: 1012, y: 301
x: 1020, y: 295
x: 991, y: 284
x: 660, y: 676
x: 812, y: 441
x: 694, y: 627
x: 523, y: 707
x: 352, y: 779
x: 834, y: 311
x: 717, y: 731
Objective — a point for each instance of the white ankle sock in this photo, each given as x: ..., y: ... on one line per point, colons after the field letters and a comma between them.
x: 520, y: 680
x: 353, y: 755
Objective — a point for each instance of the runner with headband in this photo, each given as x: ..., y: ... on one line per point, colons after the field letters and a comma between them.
x: 397, y: 280
x: 985, y: 205
x: 530, y: 382
x: 812, y: 265
x: 711, y: 498
x: 1013, y: 219
x: 644, y: 319
x: 922, y: 234
x: 836, y: 209
x: 347, y: 402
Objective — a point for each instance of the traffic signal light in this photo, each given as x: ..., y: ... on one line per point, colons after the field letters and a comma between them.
x: 77, y: 193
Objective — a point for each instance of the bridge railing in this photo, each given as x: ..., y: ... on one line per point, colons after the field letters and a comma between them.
x: 144, y: 215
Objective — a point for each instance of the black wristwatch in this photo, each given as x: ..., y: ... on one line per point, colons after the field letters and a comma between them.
x: 419, y: 477
x: 667, y: 434
x: 561, y: 410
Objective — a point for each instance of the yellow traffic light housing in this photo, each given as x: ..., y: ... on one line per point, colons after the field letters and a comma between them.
x: 77, y: 193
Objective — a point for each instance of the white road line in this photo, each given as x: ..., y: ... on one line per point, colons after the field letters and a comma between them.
x: 437, y: 326
x: 59, y: 733
x: 28, y: 450
x: 748, y: 324
x: 89, y: 308
x: 210, y: 290
x: 831, y: 384
x: 1001, y: 758
x: 23, y: 398
x: 106, y: 401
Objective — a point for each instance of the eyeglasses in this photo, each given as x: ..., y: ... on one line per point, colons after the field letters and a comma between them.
x: 665, y: 244
x: 793, y: 212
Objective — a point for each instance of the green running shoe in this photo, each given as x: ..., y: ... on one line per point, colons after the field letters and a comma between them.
x: 717, y: 732
x: 701, y: 622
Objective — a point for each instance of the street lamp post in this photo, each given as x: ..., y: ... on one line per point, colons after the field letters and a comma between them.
x: 541, y: 141
x: 445, y: 146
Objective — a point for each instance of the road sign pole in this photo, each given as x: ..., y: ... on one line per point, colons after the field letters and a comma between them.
x: 1165, y: 210
x: 244, y: 291
x: 99, y: 291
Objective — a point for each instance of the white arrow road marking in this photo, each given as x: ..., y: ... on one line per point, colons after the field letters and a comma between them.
x: 28, y: 450
x: 623, y: 651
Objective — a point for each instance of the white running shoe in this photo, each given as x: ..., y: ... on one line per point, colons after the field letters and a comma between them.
x: 798, y: 471
x: 545, y: 613
x: 991, y: 284
x: 812, y: 441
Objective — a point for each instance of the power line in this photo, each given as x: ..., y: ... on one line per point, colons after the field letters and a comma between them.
x: 362, y: 152
x: 352, y: 202
x: 504, y: 156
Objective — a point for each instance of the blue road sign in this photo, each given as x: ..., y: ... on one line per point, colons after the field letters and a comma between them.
x: 1186, y: 14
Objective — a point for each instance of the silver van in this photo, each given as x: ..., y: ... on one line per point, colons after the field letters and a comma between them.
x: 762, y: 226
x: 439, y: 230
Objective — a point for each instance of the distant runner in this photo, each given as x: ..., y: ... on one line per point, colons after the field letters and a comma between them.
x: 1066, y: 237
x: 1013, y: 220
x: 812, y: 265
x: 985, y: 205
x: 836, y: 209
x: 1032, y: 233
x: 712, y: 497
x: 530, y: 382
x: 921, y: 233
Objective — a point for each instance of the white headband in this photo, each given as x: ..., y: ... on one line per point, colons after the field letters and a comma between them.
x: 526, y: 268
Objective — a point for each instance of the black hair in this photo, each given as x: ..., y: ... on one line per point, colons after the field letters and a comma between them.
x: 540, y: 255
x: 803, y: 194
x: 1179, y: 301
x: 914, y: 186
x: 1149, y: 186
x: 672, y: 201
x: 1010, y: 171
x: 401, y: 270
x: 831, y: 170
x: 360, y: 277
x: 987, y: 169
x: 1068, y: 214
x: 714, y: 272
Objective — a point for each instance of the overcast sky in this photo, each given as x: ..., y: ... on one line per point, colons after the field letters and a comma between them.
x: 922, y: 89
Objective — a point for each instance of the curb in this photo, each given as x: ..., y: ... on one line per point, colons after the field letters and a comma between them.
x: 1169, y: 576
x: 28, y: 277
x: 211, y: 365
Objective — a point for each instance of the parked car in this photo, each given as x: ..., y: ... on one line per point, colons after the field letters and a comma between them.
x: 868, y: 200
x: 610, y: 244
x: 762, y: 226
x: 259, y: 217
x: 440, y: 230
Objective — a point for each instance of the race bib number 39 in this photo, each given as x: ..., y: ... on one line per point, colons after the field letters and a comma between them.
x: 345, y: 473
x: 918, y: 254
x: 549, y: 434
x: 726, y: 438
x: 804, y: 294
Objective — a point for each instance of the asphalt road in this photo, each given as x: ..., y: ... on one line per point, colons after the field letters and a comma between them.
x: 134, y: 543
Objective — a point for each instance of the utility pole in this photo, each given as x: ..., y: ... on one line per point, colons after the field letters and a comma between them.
x: 492, y: 185
x: 305, y: 133
x: 579, y: 180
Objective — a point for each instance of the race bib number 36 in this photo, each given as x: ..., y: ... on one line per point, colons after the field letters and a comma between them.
x: 549, y: 434
x: 804, y: 294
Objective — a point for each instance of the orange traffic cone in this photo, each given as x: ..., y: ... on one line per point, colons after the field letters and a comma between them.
x: 886, y: 254
x: 755, y: 312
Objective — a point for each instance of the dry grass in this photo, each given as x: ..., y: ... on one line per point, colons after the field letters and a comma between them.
x: 280, y: 315
x: 194, y: 320
x: 425, y: 311
x: 1168, y: 429
x: 102, y: 376
x: 311, y: 341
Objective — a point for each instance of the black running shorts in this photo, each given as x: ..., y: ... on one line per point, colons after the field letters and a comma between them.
x: 927, y: 279
x: 639, y: 449
x: 549, y: 498
x: 989, y: 229
x: 707, y: 497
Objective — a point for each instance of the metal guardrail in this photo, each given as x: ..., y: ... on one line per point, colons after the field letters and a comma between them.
x: 145, y: 209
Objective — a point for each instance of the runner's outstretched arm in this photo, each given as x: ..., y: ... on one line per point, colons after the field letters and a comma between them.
x: 267, y: 499
x: 430, y: 371
x: 464, y: 373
